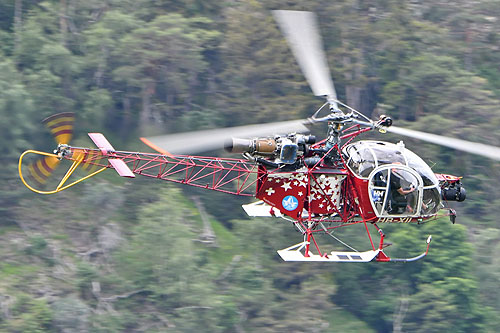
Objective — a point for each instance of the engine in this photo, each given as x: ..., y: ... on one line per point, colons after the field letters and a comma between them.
x: 276, y: 150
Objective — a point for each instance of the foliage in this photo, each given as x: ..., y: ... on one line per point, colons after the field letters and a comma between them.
x: 70, y: 315
x: 29, y: 315
x: 448, y: 268
x: 125, y: 255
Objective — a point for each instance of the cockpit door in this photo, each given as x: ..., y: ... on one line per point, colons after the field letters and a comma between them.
x: 395, y: 191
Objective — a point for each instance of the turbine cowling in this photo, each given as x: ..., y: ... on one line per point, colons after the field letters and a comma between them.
x: 278, y: 149
x: 265, y: 146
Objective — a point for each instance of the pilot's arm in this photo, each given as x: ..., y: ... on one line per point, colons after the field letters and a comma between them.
x: 405, y: 192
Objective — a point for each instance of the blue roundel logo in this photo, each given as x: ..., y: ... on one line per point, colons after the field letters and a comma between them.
x: 290, y: 202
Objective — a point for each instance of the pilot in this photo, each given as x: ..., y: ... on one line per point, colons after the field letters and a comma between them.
x: 400, y: 197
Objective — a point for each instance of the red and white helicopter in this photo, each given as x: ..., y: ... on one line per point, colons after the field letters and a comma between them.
x: 317, y: 186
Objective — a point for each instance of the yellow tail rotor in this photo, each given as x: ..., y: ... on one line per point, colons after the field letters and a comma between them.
x: 41, y: 169
x: 61, y: 126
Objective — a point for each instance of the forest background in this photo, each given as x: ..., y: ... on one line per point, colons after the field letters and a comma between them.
x: 114, y: 255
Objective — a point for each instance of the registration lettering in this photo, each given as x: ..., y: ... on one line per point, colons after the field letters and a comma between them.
x: 395, y: 219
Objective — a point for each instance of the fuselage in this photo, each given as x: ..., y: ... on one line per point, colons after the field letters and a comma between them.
x: 379, y: 182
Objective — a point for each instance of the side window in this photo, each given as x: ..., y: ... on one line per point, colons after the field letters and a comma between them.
x: 354, y: 160
x: 378, y: 190
x: 367, y: 163
x: 394, y: 191
x: 403, y: 193
x: 431, y: 201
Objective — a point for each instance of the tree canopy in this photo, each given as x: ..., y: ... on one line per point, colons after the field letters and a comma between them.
x: 115, y: 255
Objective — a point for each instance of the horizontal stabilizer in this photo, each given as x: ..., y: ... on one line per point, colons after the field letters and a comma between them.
x: 101, y: 142
x: 261, y: 209
x: 122, y: 168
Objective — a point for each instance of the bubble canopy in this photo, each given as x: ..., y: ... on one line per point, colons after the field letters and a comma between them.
x: 365, y: 156
x: 389, y: 168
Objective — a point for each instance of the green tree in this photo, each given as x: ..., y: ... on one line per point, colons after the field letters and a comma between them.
x: 383, y: 289
x: 17, y: 113
x: 261, y: 80
x: 163, y: 59
x: 29, y: 315
x: 163, y: 262
x: 71, y: 314
x: 487, y: 270
x: 47, y: 64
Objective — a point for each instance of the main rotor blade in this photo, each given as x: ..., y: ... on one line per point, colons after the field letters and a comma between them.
x: 202, y: 141
x: 463, y: 145
x: 301, y: 31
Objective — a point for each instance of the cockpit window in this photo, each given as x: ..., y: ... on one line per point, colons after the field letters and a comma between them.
x: 416, y: 163
x: 362, y: 160
x: 365, y: 156
x: 403, y: 193
x: 405, y: 188
x: 368, y: 162
x: 394, y: 191
x: 387, y: 156
x: 354, y: 159
x: 397, y: 191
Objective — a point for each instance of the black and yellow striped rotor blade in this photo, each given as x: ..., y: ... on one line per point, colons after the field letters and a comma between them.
x: 61, y: 126
x: 41, y: 169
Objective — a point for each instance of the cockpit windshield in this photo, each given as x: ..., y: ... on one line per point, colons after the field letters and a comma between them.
x: 365, y: 156
x: 401, y: 184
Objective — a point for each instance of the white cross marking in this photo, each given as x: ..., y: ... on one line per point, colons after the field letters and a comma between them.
x: 270, y: 191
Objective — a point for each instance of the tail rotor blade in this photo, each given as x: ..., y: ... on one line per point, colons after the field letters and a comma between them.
x: 202, y: 141
x: 302, y: 33
x: 61, y: 126
x: 463, y: 145
x: 42, y: 168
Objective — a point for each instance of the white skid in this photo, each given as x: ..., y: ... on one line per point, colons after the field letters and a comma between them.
x: 294, y: 253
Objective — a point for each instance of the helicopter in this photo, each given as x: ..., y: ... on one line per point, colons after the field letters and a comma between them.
x: 317, y: 186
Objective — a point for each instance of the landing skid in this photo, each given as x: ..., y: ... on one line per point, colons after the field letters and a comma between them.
x: 294, y: 253
x: 297, y: 252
